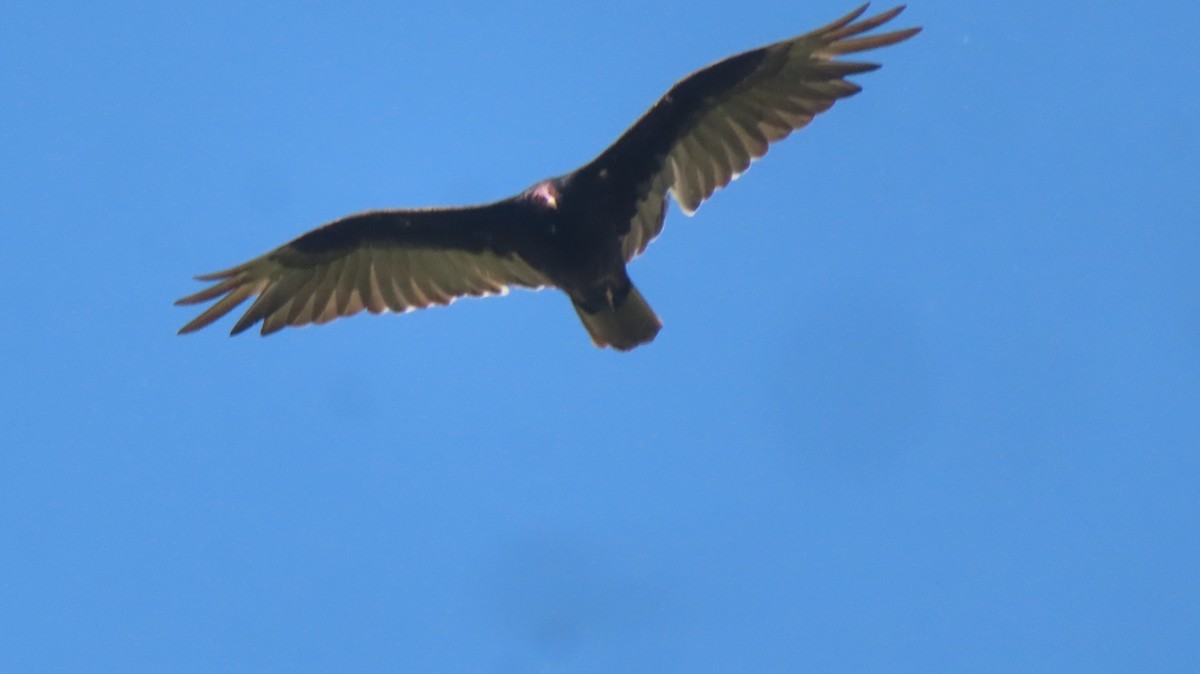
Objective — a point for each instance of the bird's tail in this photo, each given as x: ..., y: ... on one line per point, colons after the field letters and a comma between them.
x: 621, y: 326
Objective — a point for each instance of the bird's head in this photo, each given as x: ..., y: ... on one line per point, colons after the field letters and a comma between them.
x: 544, y: 194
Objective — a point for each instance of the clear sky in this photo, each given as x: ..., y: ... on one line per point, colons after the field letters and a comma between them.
x: 927, y: 396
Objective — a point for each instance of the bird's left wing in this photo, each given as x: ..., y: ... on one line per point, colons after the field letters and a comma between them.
x: 379, y: 261
x: 708, y: 128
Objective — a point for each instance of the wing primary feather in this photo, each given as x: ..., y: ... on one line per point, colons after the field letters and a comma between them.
x: 418, y: 295
x: 523, y: 273
x: 478, y: 282
x: 325, y: 296
x: 747, y: 123
x: 870, y: 42
x: 445, y: 281
x: 749, y: 139
x: 303, y: 299
x: 835, y: 69
x: 681, y: 187
x: 388, y: 272
x: 277, y: 292
x: 810, y: 107
x: 701, y: 168
x: 845, y: 20
x: 735, y: 148
x: 710, y: 138
x: 407, y: 302
x: 277, y: 320
x: 374, y: 298
x: 357, y: 301
x: 869, y: 23
x: 347, y: 282
x: 466, y: 278
x: 407, y: 284
x: 328, y: 313
x: 213, y: 291
x: 222, y: 307
x: 226, y: 273
x: 436, y: 282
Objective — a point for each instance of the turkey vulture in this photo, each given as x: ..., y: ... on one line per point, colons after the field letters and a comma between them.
x: 575, y: 232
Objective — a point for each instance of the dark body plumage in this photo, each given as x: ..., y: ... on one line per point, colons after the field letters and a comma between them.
x: 576, y: 232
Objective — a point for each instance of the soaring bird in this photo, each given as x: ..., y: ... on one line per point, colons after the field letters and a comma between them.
x: 576, y: 232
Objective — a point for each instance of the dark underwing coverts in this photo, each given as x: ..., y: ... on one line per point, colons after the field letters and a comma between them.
x: 575, y: 232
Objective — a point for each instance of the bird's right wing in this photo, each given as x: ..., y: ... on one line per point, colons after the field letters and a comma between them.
x: 379, y: 261
x: 708, y: 128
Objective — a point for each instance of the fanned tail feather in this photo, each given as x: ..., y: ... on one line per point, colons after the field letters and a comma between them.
x: 622, y: 327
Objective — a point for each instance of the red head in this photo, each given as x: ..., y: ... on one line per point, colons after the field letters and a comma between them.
x: 544, y: 194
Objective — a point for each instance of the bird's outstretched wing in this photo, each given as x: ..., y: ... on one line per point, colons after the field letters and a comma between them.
x: 708, y: 128
x: 379, y: 261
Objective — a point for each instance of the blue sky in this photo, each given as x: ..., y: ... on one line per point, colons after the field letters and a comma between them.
x: 925, y: 399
